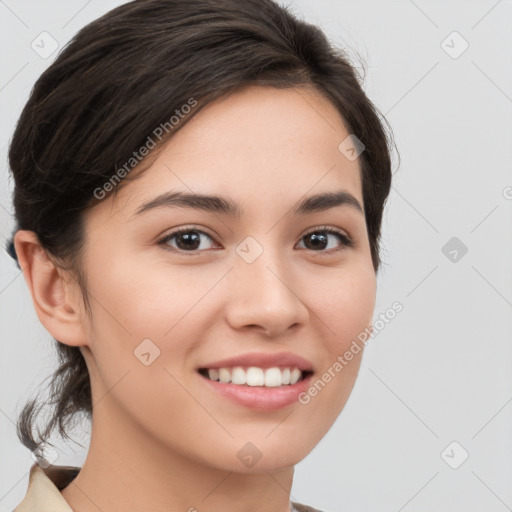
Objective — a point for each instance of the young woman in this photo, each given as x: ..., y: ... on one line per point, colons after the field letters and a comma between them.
x: 199, y: 188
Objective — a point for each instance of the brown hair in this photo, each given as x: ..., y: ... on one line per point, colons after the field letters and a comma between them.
x: 125, y: 74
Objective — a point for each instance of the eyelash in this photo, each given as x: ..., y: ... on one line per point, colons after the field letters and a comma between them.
x: 345, y: 241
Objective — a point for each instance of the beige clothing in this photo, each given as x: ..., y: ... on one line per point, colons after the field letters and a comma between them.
x: 45, y: 484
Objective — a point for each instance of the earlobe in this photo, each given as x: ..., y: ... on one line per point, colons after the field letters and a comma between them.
x: 51, y: 292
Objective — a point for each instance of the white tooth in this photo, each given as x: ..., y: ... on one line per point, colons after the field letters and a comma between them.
x: 273, y: 377
x: 224, y: 375
x: 255, y: 376
x: 294, y: 376
x: 238, y: 376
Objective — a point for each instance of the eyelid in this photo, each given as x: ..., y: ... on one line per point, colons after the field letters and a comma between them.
x: 329, y: 229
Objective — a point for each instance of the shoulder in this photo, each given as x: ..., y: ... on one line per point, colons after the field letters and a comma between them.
x: 43, y: 492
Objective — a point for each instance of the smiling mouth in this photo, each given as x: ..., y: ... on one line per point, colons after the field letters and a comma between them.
x: 255, y: 376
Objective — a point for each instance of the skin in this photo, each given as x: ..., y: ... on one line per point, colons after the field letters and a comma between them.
x: 161, y: 439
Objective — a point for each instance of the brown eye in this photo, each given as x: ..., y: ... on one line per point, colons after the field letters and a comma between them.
x: 321, y: 239
x: 186, y: 240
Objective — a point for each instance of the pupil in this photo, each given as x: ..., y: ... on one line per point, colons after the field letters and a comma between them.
x: 192, y: 239
x: 315, y: 238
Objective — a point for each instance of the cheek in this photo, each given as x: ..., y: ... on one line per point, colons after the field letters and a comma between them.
x: 346, y: 305
x: 149, y: 298
x: 137, y: 301
x: 345, y: 309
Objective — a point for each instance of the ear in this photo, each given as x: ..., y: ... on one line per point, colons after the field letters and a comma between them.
x: 54, y: 293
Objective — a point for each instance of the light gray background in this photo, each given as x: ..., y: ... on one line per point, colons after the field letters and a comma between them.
x: 441, y: 371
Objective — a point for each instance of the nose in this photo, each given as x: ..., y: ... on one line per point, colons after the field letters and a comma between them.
x: 263, y: 296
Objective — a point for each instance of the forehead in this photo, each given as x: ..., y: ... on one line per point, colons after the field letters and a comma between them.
x: 260, y: 143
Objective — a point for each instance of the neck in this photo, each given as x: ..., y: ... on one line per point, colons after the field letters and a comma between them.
x: 129, y: 469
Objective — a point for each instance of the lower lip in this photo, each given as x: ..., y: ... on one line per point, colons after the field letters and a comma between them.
x: 260, y: 397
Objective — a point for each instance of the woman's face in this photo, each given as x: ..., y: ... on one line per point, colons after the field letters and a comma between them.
x: 269, y: 281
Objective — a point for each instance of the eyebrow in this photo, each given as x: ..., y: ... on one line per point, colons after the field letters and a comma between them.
x: 218, y: 204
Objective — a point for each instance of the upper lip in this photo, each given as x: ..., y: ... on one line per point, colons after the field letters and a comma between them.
x: 264, y: 360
